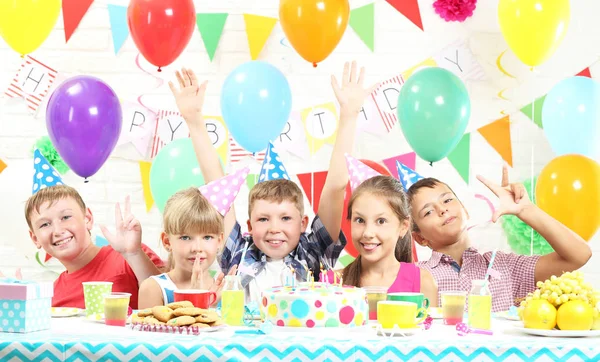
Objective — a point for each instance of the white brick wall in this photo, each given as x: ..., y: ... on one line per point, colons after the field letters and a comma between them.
x: 399, y: 45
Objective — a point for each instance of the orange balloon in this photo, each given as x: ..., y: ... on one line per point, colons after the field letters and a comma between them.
x: 568, y: 189
x: 314, y: 27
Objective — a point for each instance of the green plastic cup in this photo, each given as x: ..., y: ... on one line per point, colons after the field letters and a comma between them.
x: 93, y: 294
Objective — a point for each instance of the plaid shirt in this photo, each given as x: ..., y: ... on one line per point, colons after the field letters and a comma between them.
x: 513, y: 275
x: 311, y: 249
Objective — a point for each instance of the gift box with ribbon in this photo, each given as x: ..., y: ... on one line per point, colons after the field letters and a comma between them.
x: 25, y: 305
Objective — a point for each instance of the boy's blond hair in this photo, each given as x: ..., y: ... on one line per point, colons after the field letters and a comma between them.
x: 189, y: 212
x: 277, y: 191
x: 51, y: 195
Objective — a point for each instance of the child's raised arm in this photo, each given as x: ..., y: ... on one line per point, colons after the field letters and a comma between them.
x: 190, y: 100
x: 127, y: 240
x: 571, y: 252
x: 351, y: 95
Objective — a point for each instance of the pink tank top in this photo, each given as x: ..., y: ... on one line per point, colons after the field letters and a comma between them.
x: 407, y: 281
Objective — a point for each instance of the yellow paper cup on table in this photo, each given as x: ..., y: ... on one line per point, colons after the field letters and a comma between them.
x: 401, y: 314
x: 115, y: 309
x: 93, y: 294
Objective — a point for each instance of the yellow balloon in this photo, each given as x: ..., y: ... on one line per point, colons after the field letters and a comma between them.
x: 568, y: 189
x: 534, y: 29
x: 25, y: 24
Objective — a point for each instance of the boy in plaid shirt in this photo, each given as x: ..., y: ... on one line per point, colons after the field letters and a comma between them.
x: 278, y: 241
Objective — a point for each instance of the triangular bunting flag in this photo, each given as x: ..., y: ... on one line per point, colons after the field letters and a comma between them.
x: 306, y: 181
x: 145, y: 167
x: 258, y: 29
x: 460, y: 157
x: 534, y: 111
x: 118, y: 25
x: 410, y: 9
x: 210, y: 26
x: 73, y: 11
x: 585, y: 73
x: 251, y: 180
x: 407, y: 159
x: 362, y: 20
x: 407, y: 175
x: 2, y: 166
x: 497, y: 134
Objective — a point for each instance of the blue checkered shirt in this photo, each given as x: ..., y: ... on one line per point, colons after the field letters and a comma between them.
x: 313, y: 248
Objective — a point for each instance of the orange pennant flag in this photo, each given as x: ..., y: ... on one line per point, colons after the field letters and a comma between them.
x: 2, y: 166
x: 258, y: 30
x: 145, y: 173
x: 497, y: 134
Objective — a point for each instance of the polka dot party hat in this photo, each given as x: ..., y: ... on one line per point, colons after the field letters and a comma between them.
x: 44, y: 174
x: 358, y: 172
x: 272, y: 167
x: 406, y: 175
x: 222, y: 192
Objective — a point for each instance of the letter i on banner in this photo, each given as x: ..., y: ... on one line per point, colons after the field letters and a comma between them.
x: 217, y: 131
x: 169, y: 127
x: 32, y: 82
x: 320, y: 125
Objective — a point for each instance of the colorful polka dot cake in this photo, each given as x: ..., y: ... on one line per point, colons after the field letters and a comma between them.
x: 321, y: 305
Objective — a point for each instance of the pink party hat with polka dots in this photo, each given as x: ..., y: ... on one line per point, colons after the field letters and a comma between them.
x: 221, y: 193
x: 358, y: 172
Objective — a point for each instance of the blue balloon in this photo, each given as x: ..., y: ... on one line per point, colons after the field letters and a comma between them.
x: 571, y: 117
x: 256, y: 102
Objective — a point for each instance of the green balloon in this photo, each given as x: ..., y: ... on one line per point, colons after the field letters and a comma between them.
x: 433, y: 111
x: 175, y: 168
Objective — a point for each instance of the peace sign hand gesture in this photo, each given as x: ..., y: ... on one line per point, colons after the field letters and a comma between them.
x: 513, y: 196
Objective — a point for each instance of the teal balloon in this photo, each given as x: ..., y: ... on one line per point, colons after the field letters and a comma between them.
x: 433, y: 112
x: 174, y: 168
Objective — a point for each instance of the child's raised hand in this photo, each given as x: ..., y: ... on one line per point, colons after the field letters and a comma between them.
x: 513, y: 196
x: 351, y: 94
x: 189, y: 96
x: 127, y: 239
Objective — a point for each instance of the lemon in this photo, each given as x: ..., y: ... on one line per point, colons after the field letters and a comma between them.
x: 539, y: 314
x: 575, y: 315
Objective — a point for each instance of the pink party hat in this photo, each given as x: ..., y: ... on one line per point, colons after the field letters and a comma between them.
x: 221, y: 193
x: 358, y: 172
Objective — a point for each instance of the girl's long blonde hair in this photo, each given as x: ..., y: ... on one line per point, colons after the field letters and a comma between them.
x: 392, y: 191
x: 189, y: 212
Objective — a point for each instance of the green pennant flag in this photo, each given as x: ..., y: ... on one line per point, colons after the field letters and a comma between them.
x: 251, y: 180
x: 534, y: 111
x: 210, y: 26
x: 362, y: 20
x: 460, y: 157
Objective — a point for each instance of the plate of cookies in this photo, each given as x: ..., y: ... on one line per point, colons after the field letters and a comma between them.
x: 178, y: 317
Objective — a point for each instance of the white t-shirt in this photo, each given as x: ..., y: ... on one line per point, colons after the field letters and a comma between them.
x: 270, y: 276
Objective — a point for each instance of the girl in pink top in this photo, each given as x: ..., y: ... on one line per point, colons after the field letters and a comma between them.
x: 380, y: 218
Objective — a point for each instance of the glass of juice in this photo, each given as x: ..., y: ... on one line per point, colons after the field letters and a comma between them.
x: 453, y: 306
x: 375, y: 295
x: 480, y: 305
x: 232, y: 301
x: 115, y: 309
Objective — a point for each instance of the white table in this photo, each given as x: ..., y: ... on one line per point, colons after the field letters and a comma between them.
x: 72, y: 339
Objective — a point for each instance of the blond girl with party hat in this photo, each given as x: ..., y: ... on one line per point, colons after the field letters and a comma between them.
x: 193, y: 235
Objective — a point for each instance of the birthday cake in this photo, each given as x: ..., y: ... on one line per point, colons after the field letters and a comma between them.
x: 318, y: 305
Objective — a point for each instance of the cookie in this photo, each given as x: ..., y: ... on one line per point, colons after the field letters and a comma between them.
x: 182, y: 304
x: 218, y: 322
x: 151, y: 320
x: 207, y: 316
x: 200, y: 325
x: 135, y: 318
x: 184, y: 320
x: 192, y: 312
x: 162, y: 313
x: 144, y: 312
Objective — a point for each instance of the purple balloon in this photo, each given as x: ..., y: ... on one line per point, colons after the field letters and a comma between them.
x: 84, y: 121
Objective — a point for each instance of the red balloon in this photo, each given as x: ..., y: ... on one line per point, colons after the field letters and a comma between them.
x: 161, y: 29
x: 350, y: 249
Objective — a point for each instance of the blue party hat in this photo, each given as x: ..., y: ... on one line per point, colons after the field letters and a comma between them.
x: 272, y: 167
x: 45, y: 175
x: 407, y: 176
